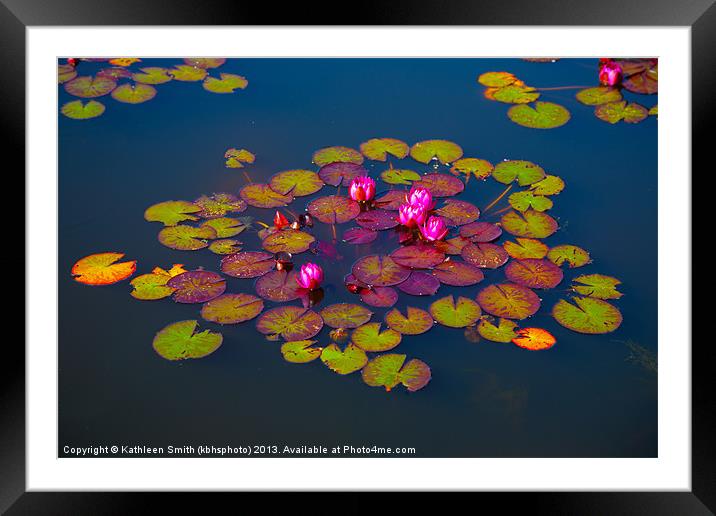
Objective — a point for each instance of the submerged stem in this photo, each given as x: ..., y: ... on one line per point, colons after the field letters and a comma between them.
x: 509, y: 187
x: 248, y: 178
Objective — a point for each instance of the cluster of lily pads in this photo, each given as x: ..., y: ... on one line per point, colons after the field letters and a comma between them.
x: 639, y: 76
x: 450, y: 242
x: 135, y: 86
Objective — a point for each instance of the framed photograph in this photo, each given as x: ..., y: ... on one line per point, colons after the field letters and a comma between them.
x: 435, y: 254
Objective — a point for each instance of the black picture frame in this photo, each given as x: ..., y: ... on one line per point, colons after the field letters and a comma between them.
x: 700, y: 15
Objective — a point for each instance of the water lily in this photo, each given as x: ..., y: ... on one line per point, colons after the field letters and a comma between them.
x: 279, y: 220
x: 310, y: 276
x: 362, y: 189
x: 411, y: 215
x: 419, y: 196
x: 610, y: 73
x: 434, y: 229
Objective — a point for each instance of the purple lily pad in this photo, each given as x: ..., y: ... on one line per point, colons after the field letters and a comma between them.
x: 441, y: 185
x: 420, y: 284
x: 381, y: 297
x: 197, y: 286
x: 377, y: 220
x: 341, y: 173
x: 418, y: 256
x: 457, y: 273
x: 481, y: 231
x: 486, y: 256
x: 278, y: 286
x: 359, y: 236
x: 391, y: 200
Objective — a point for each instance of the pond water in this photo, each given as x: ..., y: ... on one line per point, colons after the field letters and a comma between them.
x: 588, y: 396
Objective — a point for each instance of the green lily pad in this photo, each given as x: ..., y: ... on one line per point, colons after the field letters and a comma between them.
x: 334, y: 209
x: 235, y: 158
x: 614, y: 112
x: 218, y: 205
x: 288, y: 241
x: 570, y: 254
x: 152, y: 75
x: 300, y: 351
x: 186, y: 238
x: 597, y: 285
x: 654, y: 111
x: 388, y: 371
x: 369, y: 337
x: 232, y: 308
x: 504, y: 331
x: 587, y: 315
x: 345, y: 315
x: 479, y: 168
x: 524, y: 172
x: 186, y: 73
x: 513, y: 94
x: 509, y: 301
x: 523, y: 201
x: 65, y: 73
x: 179, y: 341
x: 262, y: 196
x: 530, y: 224
x: 442, y: 150
x: 464, y: 312
x: 79, y: 111
x: 544, y: 115
x: 205, y: 62
x: 337, y: 154
x: 134, y: 93
x: 526, y: 248
x: 247, y: 264
x: 150, y: 287
x: 496, y: 79
x: 378, y: 148
x: 225, y: 227
x: 290, y: 322
x: 394, y: 176
x: 348, y: 361
x: 225, y: 246
x: 296, y: 182
x: 598, y: 95
x: 550, y: 185
x: 171, y: 213
x: 227, y: 84
x: 415, y: 322
x: 90, y: 87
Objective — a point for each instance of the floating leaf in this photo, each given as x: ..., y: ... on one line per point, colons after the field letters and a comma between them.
x: 65, y: 73
x: 171, y: 213
x: 235, y: 158
x: 530, y: 224
x: 526, y: 248
x: 455, y: 315
x: 523, y: 201
x: 178, y: 341
x: 419, y: 256
x: 544, y: 115
x: 345, y: 315
x: 134, y: 93
x: 385, y: 371
x: 503, y: 332
x: 225, y: 226
x: 535, y: 339
x: 654, y: 111
x: 248, y: 264
x: 296, y: 182
x: 218, y: 205
x: 278, y: 286
x: 369, y: 337
x: 380, y: 297
x: 348, y: 361
x: 205, y: 62
x: 153, y: 286
x: 227, y: 84
x: 597, y: 285
x: 79, y: 111
x: 124, y: 61
x: 598, y: 95
x: 550, y: 185
x: 442, y: 150
x: 115, y: 73
x: 458, y: 213
x: 186, y: 73
x: 225, y: 246
x: 232, y: 308
x: 587, y: 315
x: 379, y: 148
x: 645, y: 83
x: 458, y: 274
x: 90, y: 87
x: 152, y: 75
x: 479, y: 168
x: 290, y: 322
x: 102, y: 269
x: 186, y: 238
x: 534, y: 273
x: 515, y: 94
x: 359, y: 236
x: 300, y: 351
x: 377, y: 220
x: 420, y: 284
x: 394, y: 176
x: 415, y: 322
x: 197, y: 286
x: 452, y: 245
x: 484, y: 255
x: 262, y: 196
x: 525, y: 172
x: 441, y: 185
x: 391, y: 200
x: 613, y: 112
x: 334, y: 209
x: 341, y: 173
x: 337, y: 154
x: 509, y: 301
x: 496, y: 79
x: 571, y: 254
x: 480, y: 232
x: 288, y: 241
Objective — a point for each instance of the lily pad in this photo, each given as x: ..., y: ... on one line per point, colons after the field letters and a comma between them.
x: 218, y: 205
x: 380, y: 297
x: 171, y: 213
x: 300, y: 351
x: 153, y: 286
x: 496, y: 79
x: 654, y: 110
x: 504, y: 331
x: 186, y: 238
x: 290, y: 322
x: 197, y: 286
x: 65, y: 73
x: 345, y: 315
x: 644, y: 83
x: 124, y: 61
x: 523, y: 201
x: 377, y: 220
x: 442, y: 150
x: 296, y: 182
x: 479, y: 168
x: 526, y: 248
x: 102, y: 269
x: 391, y: 200
x: 534, y: 339
x: 115, y: 73
x: 388, y: 371
x: 441, y: 185
x: 458, y: 274
x: 205, y: 62
x: 597, y: 285
x: 226, y: 84
x: 550, y: 185
x: 458, y: 213
x: 534, y: 273
x: 394, y: 176
x: 225, y: 246
x: 415, y: 322
x: 337, y: 154
x: 447, y: 312
x: 530, y: 224
x: 348, y: 361
x: 79, y: 111
x: 420, y: 284
x: 288, y: 241
x: 232, y: 308
x: 179, y: 341
x: 378, y: 148
x: 187, y: 73
x: 278, y: 286
x: 614, y: 112
x: 484, y: 255
x: 544, y: 115
x: 419, y: 256
x: 90, y: 87
x: 587, y: 315
x: 509, y: 301
x: 570, y: 254
x: 369, y: 337
x: 598, y: 95
x: 479, y: 232
x: 341, y: 173
x: 358, y: 236
x: 524, y: 172
x: 152, y: 75
x: 334, y: 209
x: 236, y: 158
x: 247, y: 264
x: 225, y: 227
x: 515, y: 94
x: 134, y: 93
x: 261, y: 195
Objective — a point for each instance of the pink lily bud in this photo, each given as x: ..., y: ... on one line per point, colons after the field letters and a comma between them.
x: 434, y: 229
x: 610, y: 74
x: 420, y: 196
x: 362, y: 189
x: 310, y: 276
x: 411, y: 215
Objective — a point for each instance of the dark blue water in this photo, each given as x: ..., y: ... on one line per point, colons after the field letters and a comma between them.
x: 581, y: 398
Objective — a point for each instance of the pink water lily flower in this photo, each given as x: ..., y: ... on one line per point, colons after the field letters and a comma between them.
x: 434, y: 229
x: 411, y: 215
x: 310, y: 276
x: 362, y: 189
x: 610, y: 73
x: 420, y: 196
